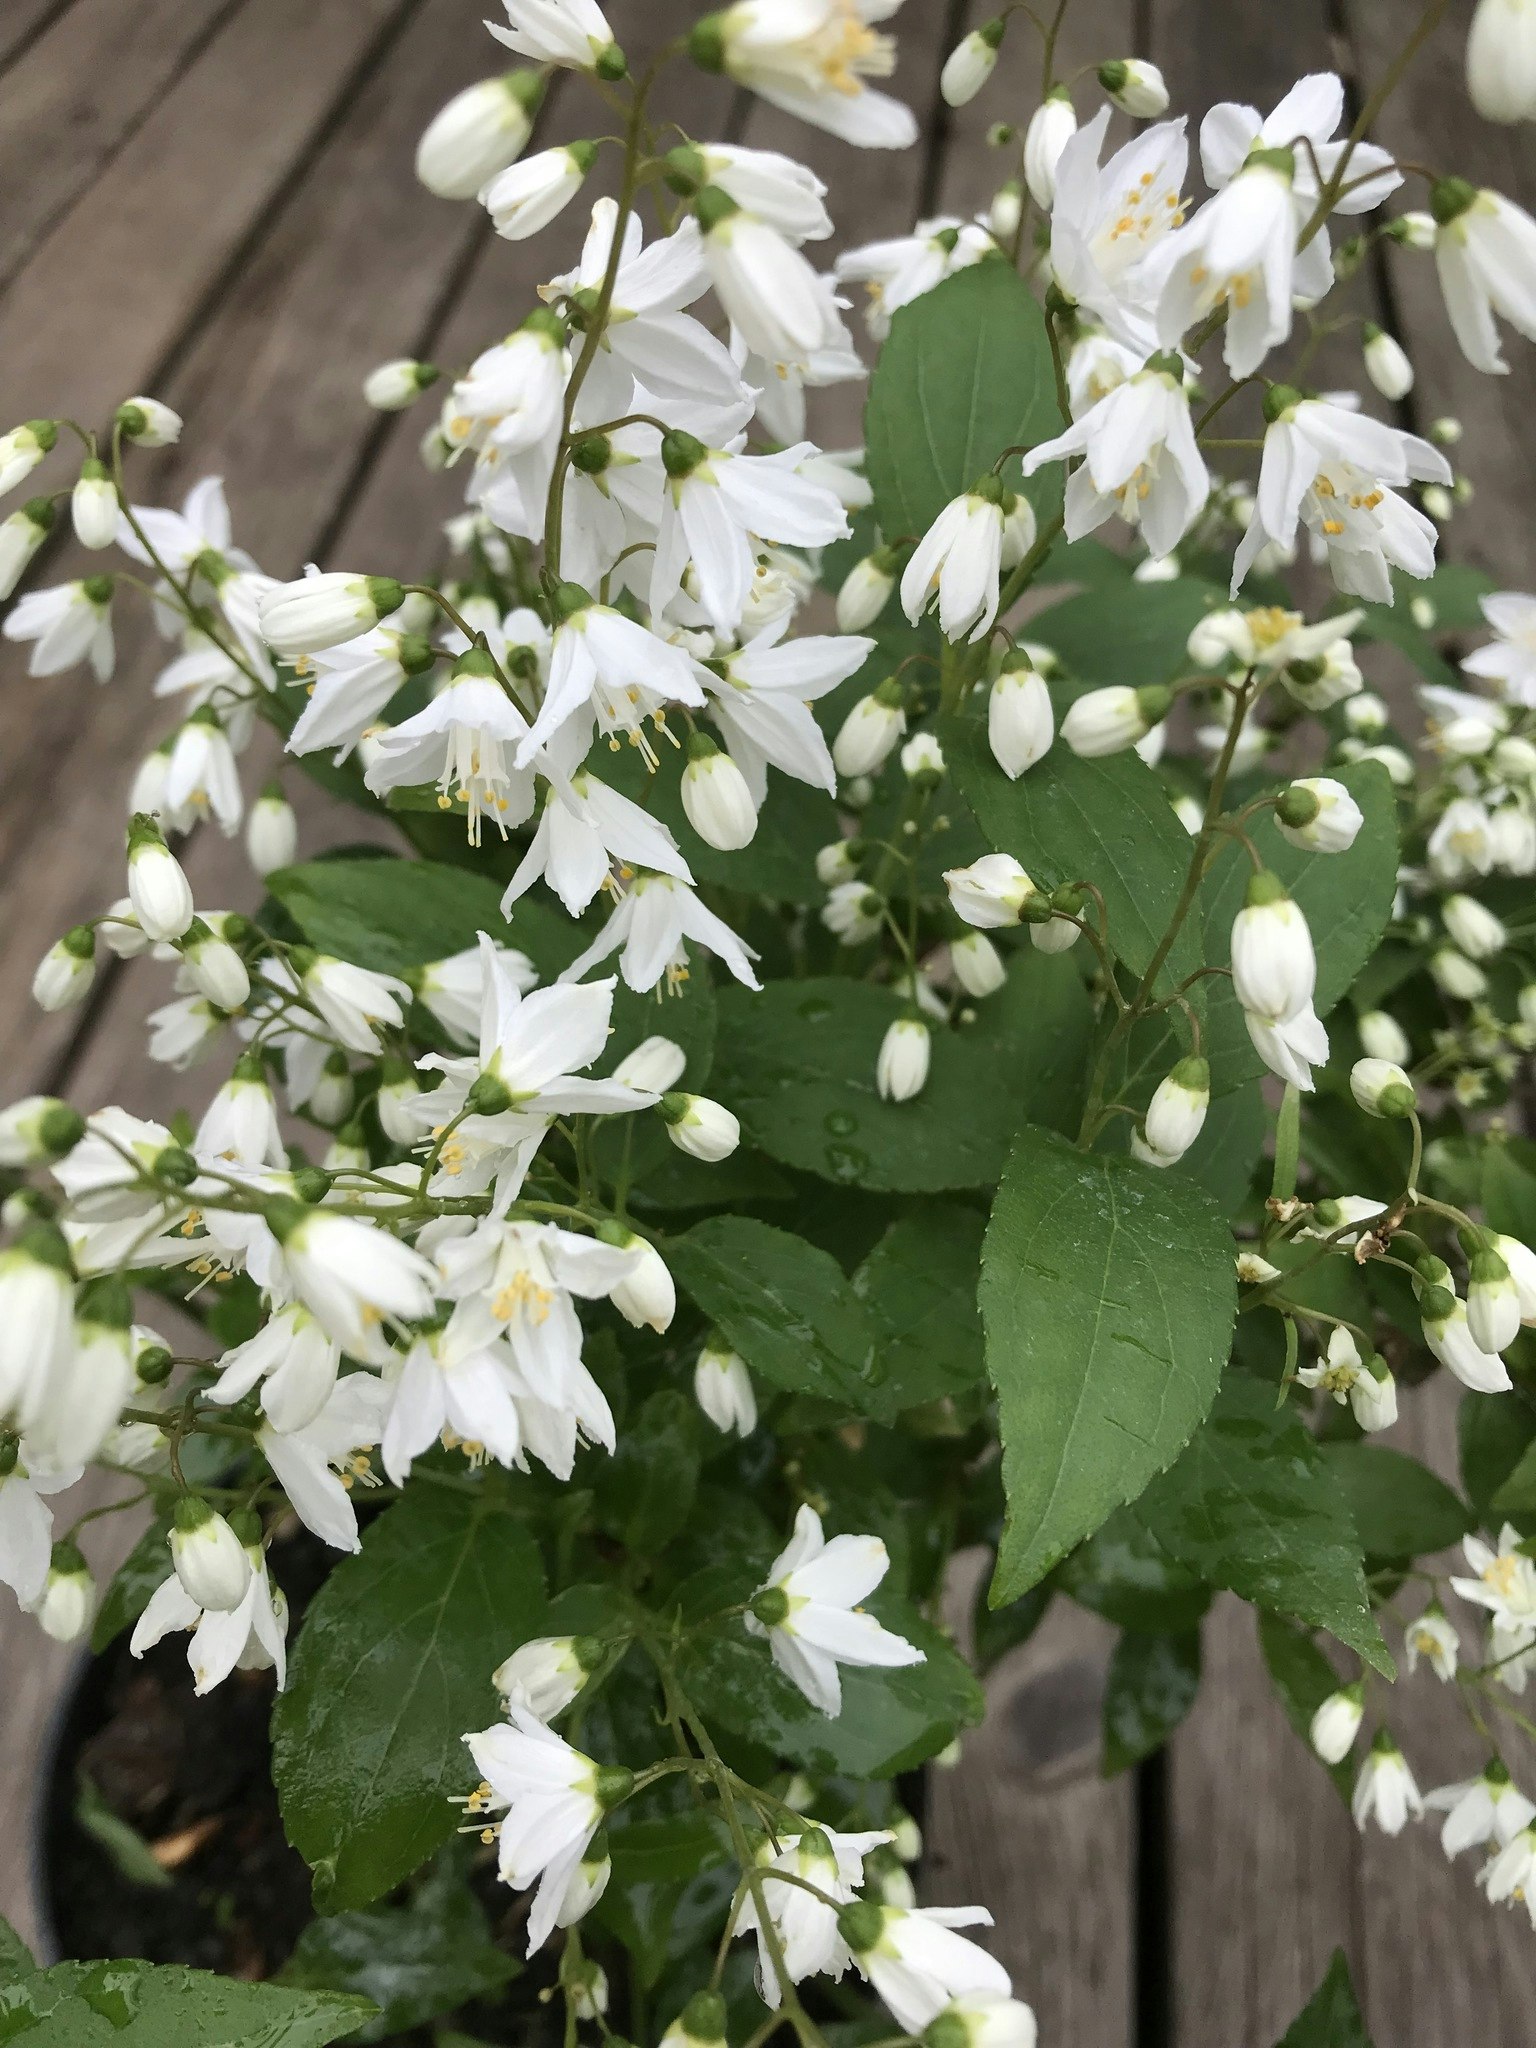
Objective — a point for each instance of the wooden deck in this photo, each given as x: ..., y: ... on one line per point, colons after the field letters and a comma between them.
x: 203, y: 199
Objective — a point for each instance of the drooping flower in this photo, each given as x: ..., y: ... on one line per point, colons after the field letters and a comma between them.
x: 808, y: 1610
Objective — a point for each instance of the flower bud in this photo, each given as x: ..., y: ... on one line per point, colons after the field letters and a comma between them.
x: 866, y: 591
x: 398, y: 383
x: 869, y: 732
x: 37, y: 1130
x: 321, y: 611
x: 1274, y: 968
x: 330, y: 1100
x: 700, y: 2024
x: 1501, y: 61
x: 838, y: 862
x: 1382, y: 1088
x: 22, y: 449
x: 66, y: 970
x: 148, y: 423
x: 1136, y: 87
x: 1337, y: 1722
x: 21, y: 535
x: 527, y: 197
x: 655, y: 1065
x: 981, y: 2019
x: 479, y: 132
x: 716, y: 797
x: 1414, y: 230
x: 546, y: 1674
x: 1384, y: 1038
x: 67, y: 1605
x: 978, y: 965
x: 1177, y: 1111
x: 1051, y: 127
x: 901, y: 1068
x: 93, y: 506
x: 991, y: 893
x: 1386, y: 364
x: 971, y: 62
x: 922, y: 760
x: 1457, y: 976
x: 271, y: 831
x: 1107, y: 721
x: 1021, y: 723
x: 1373, y: 1397
x: 1319, y: 815
x: 703, y: 1129
x: 1473, y: 927
x: 647, y: 1298
x: 159, y: 891
x: 722, y: 1387
x: 214, y: 968
x: 1493, y: 1303
x: 208, y: 1556
x: 1006, y: 211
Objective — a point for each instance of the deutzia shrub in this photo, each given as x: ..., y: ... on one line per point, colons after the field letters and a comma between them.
x: 802, y: 1101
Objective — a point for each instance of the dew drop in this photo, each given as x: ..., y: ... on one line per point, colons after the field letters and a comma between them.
x: 815, y: 1009
x: 846, y: 1162
x: 842, y: 1123
x: 114, y: 1990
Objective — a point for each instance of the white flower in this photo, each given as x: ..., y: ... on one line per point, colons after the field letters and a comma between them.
x: 1135, y: 86
x: 716, y: 797
x: 21, y: 535
x: 1334, y: 469
x: 37, y: 1301
x: 251, y: 1636
x: 852, y: 912
x: 66, y: 1606
x: 1473, y: 927
x: 321, y: 610
x: 22, y: 449
x: 1108, y: 721
x: 349, y: 1274
x: 646, y: 1297
x: 717, y: 505
x: 1051, y: 127
x: 454, y: 989
x: 1140, y: 459
x: 159, y: 891
x: 901, y: 1068
x: 991, y: 893
x: 271, y: 832
x: 806, y: 1925
x: 1511, y: 1874
x: 917, y: 1962
x: 762, y: 703
x: 37, y: 1129
x: 1336, y: 1723
x: 722, y: 1387
x: 1107, y: 225
x: 527, y: 196
x: 354, y: 1002
x: 458, y: 1377
x: 1521, y: 1261
x: 1319, y: 815
x: 869, y: 733
x: 862, y: 596
x: 294, y: 1361
x: 1385, y: 1788
x: 601, y: 659
x: 1274, y: 967
x: 583, y: 828
x: 808, y: 1610
x: 1386, y: 363
x: 1239, y: 249
x: 1509, y: 663
x: 317, y: 1462
x: 480, y: 131
x: 655, y: 1065
x: 26, y: 1525
x: 554, y: 1800
x: 958, y: 562
x: 569, y: 32
x: 971, y: 63
x: 703, y: 1129
x: 814, y: 60
x: 1384, y: 1038
x: 1460, y: 846
x: 93, y: 506
x: 977, y: 964
x: 782, y: 310
x: 1176, y: 1114
x: 1485, y: 251
x: 1365, y: 1383
x: 70, y: 623
x: 1501, y: 60
x: 897, y: 271
x: 545, y: 1674
x: 1493, y: 1300
x: 64, y: 974
x: 1449, y: 1336
x: 1482, y: 1809
x: 1434, y: 1638
x: 1381, y: 1088
x: 241, y: 1121
x: 208, y: 1557
x: 1020, y: 720
x: 464, y: 742
x: 648, y: 929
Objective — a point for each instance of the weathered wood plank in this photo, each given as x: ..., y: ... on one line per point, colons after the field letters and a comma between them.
x: 1431, y: 120
x: 1025, y: 1826
x: 185, y: 193
x: 76, y: 93
x: 25, y: 21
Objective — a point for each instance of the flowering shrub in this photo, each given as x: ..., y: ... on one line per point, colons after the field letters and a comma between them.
x: 802, y: 1103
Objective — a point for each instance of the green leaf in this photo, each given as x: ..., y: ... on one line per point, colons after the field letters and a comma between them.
x: 1303, y: 1678
x: 1252, y: 1505
x: 134, y: 1582
x: 417, y: 1961
x: 142, y: 2005
x: 1401, y: 1509
x: 919, y: 1285
x: 1136, y: 636
x: 1332, y: 2017
x: 390, y: 915
x: 891, y: 1720
x: 1509, y: 1187
x: 965, y: 373
x: 15, y: 1956
x: 797, y: 1065
x: 1108, y: 1295
x: 1153, y: 1680
x: 784, y: 1305
x: 1347, y: 898
x: 1108, y: 822
x: 648, y: 1490
x: 1124, y: 1573
x: 126, y: 1849
x: 1495, y: 1433
x: 392, y: 1667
